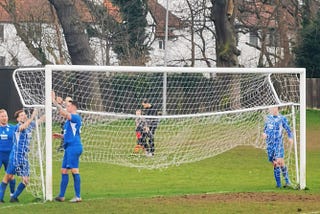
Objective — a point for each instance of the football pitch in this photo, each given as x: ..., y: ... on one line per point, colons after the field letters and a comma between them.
x: 237, y: 181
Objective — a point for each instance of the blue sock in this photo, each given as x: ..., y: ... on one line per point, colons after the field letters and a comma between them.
x: 77, y: 182
x: 19, y: 190
x: 277, y: 172
x: 285, y: 174
x: 63, y: 184
x: 3, y: 187
x: 12, y: 185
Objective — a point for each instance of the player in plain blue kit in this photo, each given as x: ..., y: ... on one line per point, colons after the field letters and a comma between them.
x: 274, y: 125
x: 18, y: 161
x: 6, y: 143
x: 72, y: 148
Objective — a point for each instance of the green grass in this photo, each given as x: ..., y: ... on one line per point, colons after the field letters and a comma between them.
x: 313, y: 119
x: 110, y: 188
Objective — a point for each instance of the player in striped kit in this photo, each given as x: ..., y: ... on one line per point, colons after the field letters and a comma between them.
x: 18, y: 161
x: 273, y: 128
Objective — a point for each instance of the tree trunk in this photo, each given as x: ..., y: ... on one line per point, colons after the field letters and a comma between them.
x: 79, y: 50
x: 74, y: 31
x: 226, y: 47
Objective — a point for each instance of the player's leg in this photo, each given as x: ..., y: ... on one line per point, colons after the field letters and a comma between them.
x: 276, y: 168
x: 283, y: 167
x: 151, y: 142
x: 144, y: 141
x: 12, y: 183
x: 74, y: 165
x: 138, y: 146
x: 285, y: 174
x: 64, y: 178
x: 23, y: 171
x: 3, y: 186
x: 22, y: 185
x: 277, y: 174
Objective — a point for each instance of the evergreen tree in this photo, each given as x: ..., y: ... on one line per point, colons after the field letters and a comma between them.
x: 130, y: 43
x: 308, y: 50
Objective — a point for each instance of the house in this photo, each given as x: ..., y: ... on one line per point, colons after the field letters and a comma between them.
x: 39, y: 18
x: 267, y: 31
x: 184, y: 43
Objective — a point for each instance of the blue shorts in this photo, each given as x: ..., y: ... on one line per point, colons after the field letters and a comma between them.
x: 275, y: 153
x: 21, y: 169
x: 71, y: 157
x: 4, y: 159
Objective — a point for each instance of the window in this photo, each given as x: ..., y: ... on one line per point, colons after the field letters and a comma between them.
x: 253, y: 38
x: 273, y: 38
x: 270, y: 2
x: 1, y: 33
x: 161, y: 44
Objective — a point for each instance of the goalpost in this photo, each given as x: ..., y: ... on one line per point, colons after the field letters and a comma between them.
x: 202, y: 112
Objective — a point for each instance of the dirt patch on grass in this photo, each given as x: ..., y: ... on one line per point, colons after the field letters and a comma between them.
x: 248, y: 197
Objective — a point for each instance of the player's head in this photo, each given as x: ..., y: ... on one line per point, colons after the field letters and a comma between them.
x: 145, y: 103
x: 274, y: 110
x: 138, y: 112
x: 72, y: 106
x: 67, y: 99
x: 3, y: 117
x: 20, y: 116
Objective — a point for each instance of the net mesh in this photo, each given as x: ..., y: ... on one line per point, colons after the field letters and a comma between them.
x: 198, y: 115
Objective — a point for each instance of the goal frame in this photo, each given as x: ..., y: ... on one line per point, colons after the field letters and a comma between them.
x: 127, y: 69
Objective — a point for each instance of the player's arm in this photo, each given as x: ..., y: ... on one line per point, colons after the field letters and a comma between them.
x: 264, y: 133
x: 28, y: 121
x: 286, y: 126
x: 61, y: 110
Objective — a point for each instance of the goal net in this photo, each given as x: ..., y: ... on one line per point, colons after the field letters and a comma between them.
x: 198, y: 112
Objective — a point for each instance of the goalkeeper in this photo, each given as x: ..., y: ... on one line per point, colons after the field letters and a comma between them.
x: 152, y: 123
x: 274, y: 124
x: 142, y: 133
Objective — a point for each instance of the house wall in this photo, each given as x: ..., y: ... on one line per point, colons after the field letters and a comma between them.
x: 14, y: 50
x: 178, y: 49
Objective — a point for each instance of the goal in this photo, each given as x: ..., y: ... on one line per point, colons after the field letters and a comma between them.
x: 200, y: 112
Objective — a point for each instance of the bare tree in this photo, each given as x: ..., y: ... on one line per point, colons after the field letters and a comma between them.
x: 26, y: 32
x: 276, y: 24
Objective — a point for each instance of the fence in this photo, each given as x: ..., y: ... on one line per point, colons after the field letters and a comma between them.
x: 9, y: 98
x: 313, y: 93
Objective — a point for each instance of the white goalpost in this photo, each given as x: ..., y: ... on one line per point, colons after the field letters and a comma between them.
x: 200, y: 113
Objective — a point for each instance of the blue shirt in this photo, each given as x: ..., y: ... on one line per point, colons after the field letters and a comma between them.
x: 21, y: 143
x: 273, y: 128
x: 6, y: 138
x: 72, y: 130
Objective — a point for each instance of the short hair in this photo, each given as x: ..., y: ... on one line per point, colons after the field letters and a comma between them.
x: 73, y: 102
x: 67, y: 99
x: 2, y: 110
x: 145, y: 100
x: 16, y: 114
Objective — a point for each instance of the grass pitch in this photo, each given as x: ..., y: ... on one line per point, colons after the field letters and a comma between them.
x: 238, y: 181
